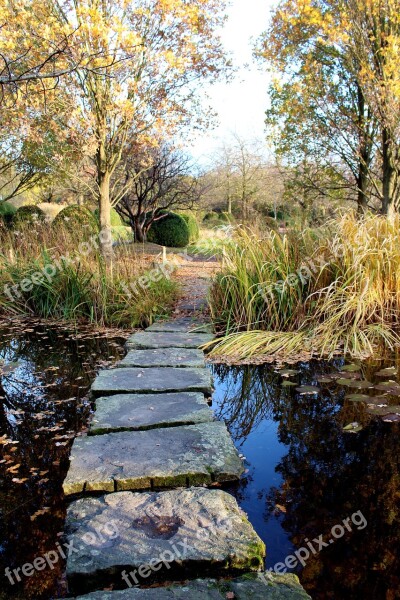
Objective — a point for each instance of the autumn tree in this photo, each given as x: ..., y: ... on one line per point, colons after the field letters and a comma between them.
x: 319, y: 117
x: 157, y: 179
x: 239, y: 177
x: 336, y: 95
x: 371, y: 35
x: 148, y: 57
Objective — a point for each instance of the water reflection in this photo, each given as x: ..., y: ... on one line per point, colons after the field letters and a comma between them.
x: 45, y: 377
x: 306, y: 474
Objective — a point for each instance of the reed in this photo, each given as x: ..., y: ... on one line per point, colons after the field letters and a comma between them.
x: 80, y: 288
x: 323, y: 292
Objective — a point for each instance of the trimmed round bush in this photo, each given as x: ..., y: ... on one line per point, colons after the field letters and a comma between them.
x: 29, y: 214
x: 7, y: 212
x: 225, y: 217
x: 210, y: 216
x: 270, y: 223
x: 172, y: 231
x: 76, y: 218
x: 194, y: 231
x: 116, y: 220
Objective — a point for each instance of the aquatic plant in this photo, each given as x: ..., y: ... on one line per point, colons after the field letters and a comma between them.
x: 336, y: 289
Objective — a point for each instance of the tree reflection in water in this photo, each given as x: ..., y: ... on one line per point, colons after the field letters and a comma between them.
x: 325, y: 474
x: 45, y: 374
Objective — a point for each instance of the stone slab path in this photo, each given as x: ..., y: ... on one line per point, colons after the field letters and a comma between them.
x: 150, y: 380
x: 181, y: 530
x: 146, y: 340
x: 155, y: 458
x: 164, y: 357
x: 154, y: 450
x: 131, y: 412
x: 252, y: 586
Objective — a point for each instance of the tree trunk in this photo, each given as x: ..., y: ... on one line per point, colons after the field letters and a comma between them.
x: 388, y: 174
x: 103, y: 182
x: 229, y: 204
x: 138, y: 229
x: 105, y: 216
x: 365, y: 156
x: 362, y: 184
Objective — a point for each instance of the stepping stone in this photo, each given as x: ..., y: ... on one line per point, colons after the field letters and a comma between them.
x: 146, y: 340
x: 182, y: 325
x: 152, y: 380
x: 158, y: 536
x: 164, y: 357
x: 130, y: 412
x: 252, y: 586
x: 156, y: 458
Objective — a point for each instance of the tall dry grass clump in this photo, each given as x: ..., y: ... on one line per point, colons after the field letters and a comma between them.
x: 327, y: 291
x: 81, y: 288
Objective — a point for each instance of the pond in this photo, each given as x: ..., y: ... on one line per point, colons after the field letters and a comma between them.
x: 307, y: 471
x: 46, y: 373
x: 305, y: 474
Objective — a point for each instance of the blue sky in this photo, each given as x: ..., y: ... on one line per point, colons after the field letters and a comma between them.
x: 240, y: 104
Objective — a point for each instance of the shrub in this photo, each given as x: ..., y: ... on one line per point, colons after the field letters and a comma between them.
x: 29, y: 214
x: 77, y: 218
x: 122, y: 234
x: 7, y: 212
x: 172, y: 230
x: 194, y: 231
x: 209, y: 216
x: 62, y: 283
x: 215, y: 219
x: 225, y: 217
x: 270, y: 223
x: 116, y: 220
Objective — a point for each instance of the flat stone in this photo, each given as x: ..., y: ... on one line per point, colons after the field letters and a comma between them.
x: 130, y: 412
x: 147, y: 339
x: 181, y: 532
x: 181, y: 325
x: 164, y: 357
x: 151, y: 380
x: 252, y: 586
x: 155, y: 458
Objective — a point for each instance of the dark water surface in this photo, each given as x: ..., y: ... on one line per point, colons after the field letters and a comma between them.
x: 305, y: 474
x: 46, y: 373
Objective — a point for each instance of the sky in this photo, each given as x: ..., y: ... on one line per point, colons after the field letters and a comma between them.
x: 240, y: 104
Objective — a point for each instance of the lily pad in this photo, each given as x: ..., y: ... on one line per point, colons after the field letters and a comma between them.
x: 357, y: 397
x: 353, y: 383
x: 350, y: 368
x: 390, y: 387
x: 324, y: 379
x: 386, y: 372
x: 393, y: 418
x: 378, y: 400
x: 287, y: 383
x: 344, y: 375
x: 382, y: 411
x: 288, y: 372
x: 308, y: 389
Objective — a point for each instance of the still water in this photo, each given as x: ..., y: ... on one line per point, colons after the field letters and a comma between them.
x: 305, y: 473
